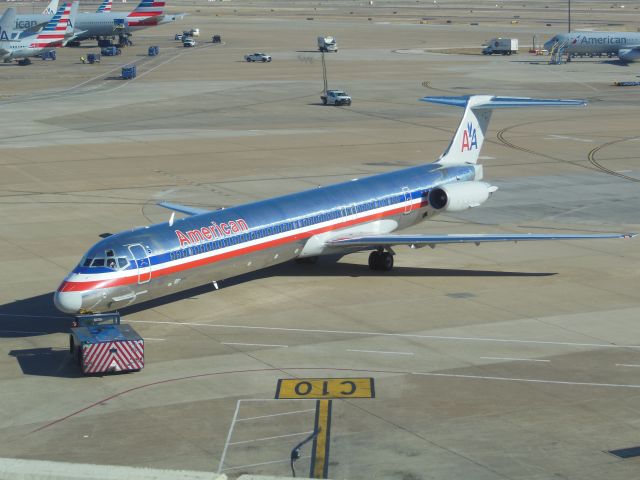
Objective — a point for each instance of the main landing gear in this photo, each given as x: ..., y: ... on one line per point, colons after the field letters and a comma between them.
x: 381, y: 260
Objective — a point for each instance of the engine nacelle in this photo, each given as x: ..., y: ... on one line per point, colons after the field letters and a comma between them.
x: 460, y: 196
x: 629, y: 54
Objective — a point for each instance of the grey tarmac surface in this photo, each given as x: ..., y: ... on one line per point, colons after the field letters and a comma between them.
x: 511, y: 361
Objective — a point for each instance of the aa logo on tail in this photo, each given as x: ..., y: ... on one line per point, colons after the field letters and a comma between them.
x: 469, y: 138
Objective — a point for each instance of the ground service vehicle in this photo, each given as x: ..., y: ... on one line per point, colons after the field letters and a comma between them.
x: 110, y: 51
x: 335, y: 97
x: 129, y: 72
x: 503, y: 46
x: 188, y: 42
x: 257, y: 57
x: 100, y: 344
x: 327, y: 44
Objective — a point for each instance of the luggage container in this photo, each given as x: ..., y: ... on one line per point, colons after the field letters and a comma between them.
x: 93, y: 58
x: 129, y: 72
x: 154, y: 50
x: 48, y: 55
x: 110, y: 51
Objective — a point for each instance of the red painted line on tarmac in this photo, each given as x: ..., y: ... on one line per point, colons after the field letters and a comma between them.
x: 190, y: 377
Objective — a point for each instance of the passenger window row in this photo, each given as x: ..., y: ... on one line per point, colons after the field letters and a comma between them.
x: 285, y: 227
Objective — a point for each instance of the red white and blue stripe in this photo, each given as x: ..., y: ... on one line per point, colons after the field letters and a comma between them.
x: 53, y: 34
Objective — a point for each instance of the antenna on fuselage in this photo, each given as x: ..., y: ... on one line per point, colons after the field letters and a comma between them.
x: 173, y: 215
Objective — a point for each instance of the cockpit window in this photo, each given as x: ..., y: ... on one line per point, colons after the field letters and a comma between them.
x: 98, y: 262
x: 122, y: 262
x: 110, y: 253
x: 87, y: 262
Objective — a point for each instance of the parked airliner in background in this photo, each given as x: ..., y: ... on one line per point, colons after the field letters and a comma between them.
x: 149, y: 262
x: 624, y: 45
x: 54, y: 34
x: 148, y: 13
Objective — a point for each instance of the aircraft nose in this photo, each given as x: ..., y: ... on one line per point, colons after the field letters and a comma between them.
x: 68, y: 302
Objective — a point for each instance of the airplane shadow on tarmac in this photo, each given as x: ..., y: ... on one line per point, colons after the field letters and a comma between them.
x: 38, y: 316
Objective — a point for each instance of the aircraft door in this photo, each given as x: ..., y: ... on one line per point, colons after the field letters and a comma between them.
x: 407, y: 200
x: 143, y: 262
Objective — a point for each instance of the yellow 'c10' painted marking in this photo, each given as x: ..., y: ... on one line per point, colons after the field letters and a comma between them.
x: 325, y: 388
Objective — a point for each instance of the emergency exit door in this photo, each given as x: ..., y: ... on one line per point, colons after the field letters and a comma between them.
x: 142, y: 261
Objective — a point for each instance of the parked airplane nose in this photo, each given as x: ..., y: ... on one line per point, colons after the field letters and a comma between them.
x: 68, y: 302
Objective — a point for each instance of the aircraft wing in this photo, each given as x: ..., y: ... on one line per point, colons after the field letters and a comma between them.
x: 32, y: 30
x: 183, y: 208
x: 418, y: 241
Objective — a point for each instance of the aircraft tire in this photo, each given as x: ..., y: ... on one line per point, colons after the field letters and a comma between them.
x: 380, y: 261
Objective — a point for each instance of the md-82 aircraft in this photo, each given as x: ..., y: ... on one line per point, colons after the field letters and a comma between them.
x: 624, y: 45
x: 207, y: 246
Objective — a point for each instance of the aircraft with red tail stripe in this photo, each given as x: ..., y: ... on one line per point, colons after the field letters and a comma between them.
x: 363, y: 214
x: 107, y: 24
x: 54, y: 34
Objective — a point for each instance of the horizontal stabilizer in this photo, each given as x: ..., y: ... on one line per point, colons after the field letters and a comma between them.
x: 488, y: 101
x: 432, y: 240
x: 183, y: 208
x: 467, y: 141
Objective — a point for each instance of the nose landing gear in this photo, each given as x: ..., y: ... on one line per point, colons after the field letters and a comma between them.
x: 380, y: 260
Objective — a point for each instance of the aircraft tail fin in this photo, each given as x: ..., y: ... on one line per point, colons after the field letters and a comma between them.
x: 51, y: 8
x: 54, y: 31
x: 105, y: 6
x: 148, y: 8
x: 467, y: 142
x: 7, y: 24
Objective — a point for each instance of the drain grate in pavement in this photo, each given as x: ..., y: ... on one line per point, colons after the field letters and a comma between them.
x: 626, y: 452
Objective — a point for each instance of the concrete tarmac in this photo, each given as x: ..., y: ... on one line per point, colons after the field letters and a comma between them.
x: 504, y: 361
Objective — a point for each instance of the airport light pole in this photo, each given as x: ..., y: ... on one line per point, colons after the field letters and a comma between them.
x: 569, y: 15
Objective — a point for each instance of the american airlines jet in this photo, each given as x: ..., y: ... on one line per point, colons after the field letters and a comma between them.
x: 148, y: 13
x: 624, y: 45
x: 54, y: 34
x: 149, y: 262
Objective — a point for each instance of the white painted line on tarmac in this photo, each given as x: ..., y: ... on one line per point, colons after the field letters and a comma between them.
x: 156, y: 339
x: 31, y: 316
x: 276, y: 415
x: 380, y: 351
x: 271, y: 438
x: 516, y: 359
x: 254, y: 344
x: 387, y: 334
x: 262, y: 463
x: 226, y: 443
x: 20, y: 332
x: 527, y: 380
x: 626, y: 365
